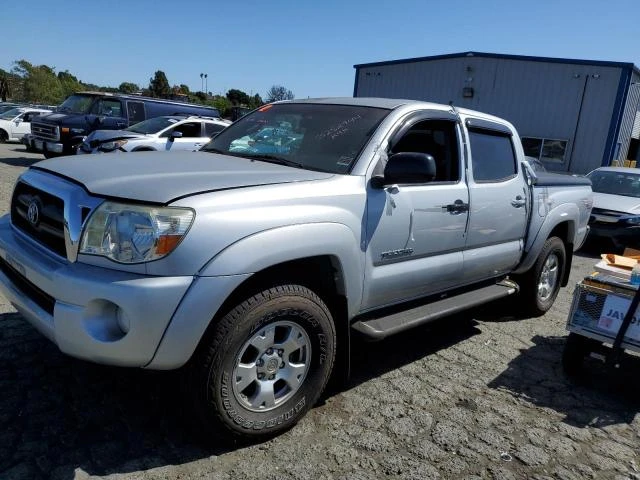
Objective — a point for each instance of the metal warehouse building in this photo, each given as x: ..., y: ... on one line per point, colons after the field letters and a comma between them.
x: 574, y: 115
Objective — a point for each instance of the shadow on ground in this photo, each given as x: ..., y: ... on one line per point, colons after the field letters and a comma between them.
x: 598, y: 398
x: 58, y: 413
x: 21, y: 161
x: 372, y: 359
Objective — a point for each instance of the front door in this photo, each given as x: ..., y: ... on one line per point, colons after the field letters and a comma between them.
x: 415, y: 233
x: 192, y: 137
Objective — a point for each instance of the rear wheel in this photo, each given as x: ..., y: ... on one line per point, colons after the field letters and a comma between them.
x: 541, y: 284
x: 265, y: 364
x: 4, y: 136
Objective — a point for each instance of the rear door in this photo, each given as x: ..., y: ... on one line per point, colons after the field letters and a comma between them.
x: 414, y: 236
x: 498, y: 202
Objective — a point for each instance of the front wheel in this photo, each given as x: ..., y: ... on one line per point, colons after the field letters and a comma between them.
x: 265, y: 364
x: 541, y: 284
x: 4, y: 136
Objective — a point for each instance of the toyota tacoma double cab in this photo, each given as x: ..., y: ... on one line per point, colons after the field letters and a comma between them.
x: 252, y: 262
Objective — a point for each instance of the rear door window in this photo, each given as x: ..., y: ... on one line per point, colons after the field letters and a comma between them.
x: 493, y: 157
x: 135, y: 111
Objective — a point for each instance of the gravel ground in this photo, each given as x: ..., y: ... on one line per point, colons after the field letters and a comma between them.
x: 477, y: 396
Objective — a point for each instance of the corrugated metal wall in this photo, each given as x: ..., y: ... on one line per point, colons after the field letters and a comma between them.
x: 636, y: 127
x: 542, y: 99
x: 630, y: 124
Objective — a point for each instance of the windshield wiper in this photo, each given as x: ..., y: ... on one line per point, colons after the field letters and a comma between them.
x: 215, y: 150
x: 274, y: 159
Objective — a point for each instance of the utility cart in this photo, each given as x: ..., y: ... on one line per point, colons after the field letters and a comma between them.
x: 603, y: 321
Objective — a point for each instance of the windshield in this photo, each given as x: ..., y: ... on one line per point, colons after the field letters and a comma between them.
x: 153, y: 125
x: 615, y: 183
x: 10, y: 114
x: 321, y: 137
x: 76, y: 104
x: 6, y: 108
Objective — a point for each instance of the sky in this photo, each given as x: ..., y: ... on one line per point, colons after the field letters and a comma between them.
x: 310, y: 47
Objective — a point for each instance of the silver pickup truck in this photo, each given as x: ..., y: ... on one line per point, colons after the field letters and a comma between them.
x: 252, y: 262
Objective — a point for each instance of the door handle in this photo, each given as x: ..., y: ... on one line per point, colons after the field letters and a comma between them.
x: 456, y: 208
x: 518, y: 202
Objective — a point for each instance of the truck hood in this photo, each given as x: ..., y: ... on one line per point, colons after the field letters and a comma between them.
x: 616, y: 203
x: 161, y: 177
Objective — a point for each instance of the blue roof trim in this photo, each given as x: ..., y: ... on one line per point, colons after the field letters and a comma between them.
x: 601, y: 63
x: 616, y: 118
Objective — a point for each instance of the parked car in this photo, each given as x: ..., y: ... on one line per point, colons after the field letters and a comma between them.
x: 615, y: 218
x: 253, y: 270
x: 159, y: 133
x: 61, y: 132
x: 16, y: 122
x: 4, y: 106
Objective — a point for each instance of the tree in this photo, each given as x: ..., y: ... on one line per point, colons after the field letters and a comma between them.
x: 159, y: 85
x: 69, y: 83
x: 238, y: 97
x: 185, y: 89
x: 128, y: 87
x: 222, y: 104
x: 4, y: 88
x: 255, y: 101
x: 40, y: 83
x: 278, y: 92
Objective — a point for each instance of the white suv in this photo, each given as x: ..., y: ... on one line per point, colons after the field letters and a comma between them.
x: 172, y: 132
x: 16, y: 123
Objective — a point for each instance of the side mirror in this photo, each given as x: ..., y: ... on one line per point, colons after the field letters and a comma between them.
x: 406, y: 167
x: 175, y: 135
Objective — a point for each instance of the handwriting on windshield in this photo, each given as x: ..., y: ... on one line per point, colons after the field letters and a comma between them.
x: 338, y: 130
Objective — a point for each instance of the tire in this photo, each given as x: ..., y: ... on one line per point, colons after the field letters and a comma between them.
x: 264, y: 365
x: 4, y: 136
x: 541, y: 284
x: 49, y: 155
x: 576, y: 349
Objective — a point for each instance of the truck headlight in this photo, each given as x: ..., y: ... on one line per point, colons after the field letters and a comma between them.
x: 134, y: 233
x: 111, y: 146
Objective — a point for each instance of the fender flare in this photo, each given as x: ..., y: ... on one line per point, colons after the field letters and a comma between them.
x: 283, y: 244
x: 228, y: 269
x: 565, y: 213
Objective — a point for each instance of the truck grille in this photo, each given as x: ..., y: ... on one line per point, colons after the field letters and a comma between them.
x: 39, y: 215
x: 45, y: 131
x: 42, y: 299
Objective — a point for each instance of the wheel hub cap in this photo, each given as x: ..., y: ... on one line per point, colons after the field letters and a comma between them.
x: 271, y: 366
x: 548, y: 277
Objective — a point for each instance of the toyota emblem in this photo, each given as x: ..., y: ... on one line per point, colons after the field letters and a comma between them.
x: 33, y: 213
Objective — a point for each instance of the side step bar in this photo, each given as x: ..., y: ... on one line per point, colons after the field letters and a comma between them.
x: 381, y: 327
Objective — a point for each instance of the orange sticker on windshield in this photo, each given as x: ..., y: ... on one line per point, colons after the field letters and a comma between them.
x: 265, y: 108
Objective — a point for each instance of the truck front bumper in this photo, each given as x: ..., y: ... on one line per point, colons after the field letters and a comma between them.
x: 102, y: 315
x: 109, y: 316
x: 44, y: 146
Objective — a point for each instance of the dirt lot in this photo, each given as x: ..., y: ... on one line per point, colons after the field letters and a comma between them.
x: 478, y: 396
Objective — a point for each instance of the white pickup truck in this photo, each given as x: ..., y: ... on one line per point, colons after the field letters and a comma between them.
x: 251, y: 263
